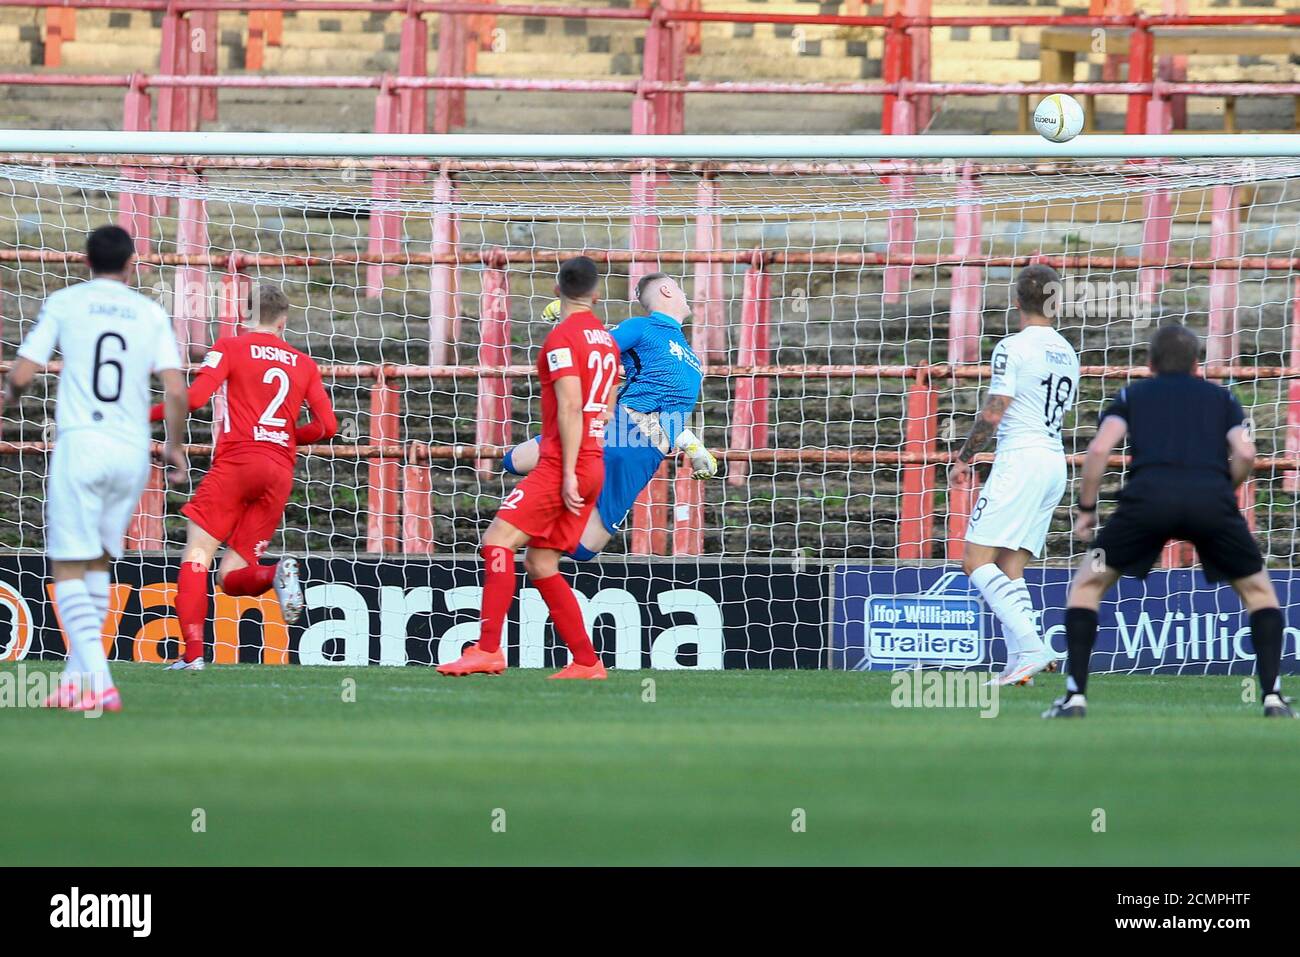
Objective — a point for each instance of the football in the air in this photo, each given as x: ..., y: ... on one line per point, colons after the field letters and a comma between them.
x: 1059, y: 118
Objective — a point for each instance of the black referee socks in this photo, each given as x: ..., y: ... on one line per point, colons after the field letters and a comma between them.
x: 1266, y: 635
x: 1080, y: 636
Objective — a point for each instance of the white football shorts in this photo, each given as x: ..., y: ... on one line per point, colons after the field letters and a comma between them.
x: 1014, y: 508
x: 95, y: 483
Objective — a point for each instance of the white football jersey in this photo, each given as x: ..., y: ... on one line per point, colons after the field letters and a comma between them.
x: 112, y: 340
x: 1038, y: 369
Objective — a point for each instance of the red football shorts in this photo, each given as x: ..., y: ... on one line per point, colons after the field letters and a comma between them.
x: 536, y: 505
x: 241, y: 501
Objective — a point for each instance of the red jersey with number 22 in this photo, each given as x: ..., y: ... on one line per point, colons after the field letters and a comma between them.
x: 579, y: 346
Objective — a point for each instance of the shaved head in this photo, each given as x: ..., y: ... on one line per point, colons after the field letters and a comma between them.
x: 660, y: 292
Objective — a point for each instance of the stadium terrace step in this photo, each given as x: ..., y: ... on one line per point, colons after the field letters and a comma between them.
x: 296, y: 37
x: 788, y: 68
x: 123, y: 58
x: 539, y: 65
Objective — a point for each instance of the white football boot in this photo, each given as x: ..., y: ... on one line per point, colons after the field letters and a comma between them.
x: 1028, y: 665
x: 1012, y: 661
x: 183, y: 665
x: 288, y: 589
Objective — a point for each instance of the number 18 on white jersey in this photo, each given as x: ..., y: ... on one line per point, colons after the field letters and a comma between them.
x: 1038, y: 369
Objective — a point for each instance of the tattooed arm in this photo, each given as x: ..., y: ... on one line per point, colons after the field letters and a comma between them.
x: 985, y: 427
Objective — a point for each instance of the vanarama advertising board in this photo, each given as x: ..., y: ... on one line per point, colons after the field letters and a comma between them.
x: 700, y: 614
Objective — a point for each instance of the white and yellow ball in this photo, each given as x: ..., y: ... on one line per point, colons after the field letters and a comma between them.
x: 1059, y: 118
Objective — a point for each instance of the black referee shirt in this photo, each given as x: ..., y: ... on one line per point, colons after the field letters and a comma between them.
x: 1177, y: 422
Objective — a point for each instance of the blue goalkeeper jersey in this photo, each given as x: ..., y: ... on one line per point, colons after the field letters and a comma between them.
x: 663, y: 373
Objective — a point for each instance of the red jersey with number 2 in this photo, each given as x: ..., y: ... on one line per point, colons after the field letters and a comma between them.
x: 266, y: 383
x: 579, y: 346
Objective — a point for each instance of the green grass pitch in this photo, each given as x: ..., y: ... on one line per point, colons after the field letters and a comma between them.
x: 711, y: 772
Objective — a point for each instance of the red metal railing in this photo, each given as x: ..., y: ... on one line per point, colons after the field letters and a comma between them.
x: 399, y: 512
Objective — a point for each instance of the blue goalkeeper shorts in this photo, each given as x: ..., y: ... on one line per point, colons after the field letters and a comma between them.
x: 630, y: 463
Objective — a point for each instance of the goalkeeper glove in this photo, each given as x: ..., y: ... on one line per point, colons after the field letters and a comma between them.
x: 552, y: 311
x: 703, y: 463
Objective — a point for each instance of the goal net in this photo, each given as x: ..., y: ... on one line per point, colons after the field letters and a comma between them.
x: 845, y: 308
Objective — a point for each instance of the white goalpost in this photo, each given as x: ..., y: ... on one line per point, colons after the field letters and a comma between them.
x: 847, y: 293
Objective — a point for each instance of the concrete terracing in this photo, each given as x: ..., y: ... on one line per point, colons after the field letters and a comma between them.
x: 351, y: 43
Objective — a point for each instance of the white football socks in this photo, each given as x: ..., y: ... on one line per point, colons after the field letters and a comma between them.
x: 97, y: 587
x: 1032, y: 640
x: 83, y: 626
x: 1011, y: 603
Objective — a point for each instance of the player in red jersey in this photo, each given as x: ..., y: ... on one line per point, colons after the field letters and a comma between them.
x: 578, y: 367
x: 240, y: 502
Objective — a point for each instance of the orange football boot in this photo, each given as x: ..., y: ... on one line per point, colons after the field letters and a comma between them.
x: 594, y: 672
x: 475, y: 661
x: 65, y: 697
x: 108, y: 700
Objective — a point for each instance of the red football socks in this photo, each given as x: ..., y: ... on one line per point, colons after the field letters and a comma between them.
x: 498, y: 594
x: 192, y: 606
x: 566, y: 614
x: 251, y: 580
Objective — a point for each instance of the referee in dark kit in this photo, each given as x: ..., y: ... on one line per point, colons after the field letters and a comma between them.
x: 1190, y: 448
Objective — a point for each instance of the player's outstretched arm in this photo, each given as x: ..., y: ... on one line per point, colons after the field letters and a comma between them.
x: 206, y: 383
x: 19, y: 378
x: 36, y: 351
x: 324, y: 424
x: 1241, y: 454
x: 1109, y: 435
x: 981, y: 434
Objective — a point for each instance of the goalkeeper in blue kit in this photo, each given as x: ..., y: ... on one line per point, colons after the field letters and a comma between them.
x: 662, y: 385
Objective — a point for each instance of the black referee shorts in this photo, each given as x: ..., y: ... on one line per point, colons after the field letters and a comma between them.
x: 1153, y: 512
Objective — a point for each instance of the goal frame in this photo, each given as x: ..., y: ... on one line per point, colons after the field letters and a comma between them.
x: 624, y: 146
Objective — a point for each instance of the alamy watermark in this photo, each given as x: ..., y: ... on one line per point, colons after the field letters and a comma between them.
x: 1081, y: 298
x: 935, y: 688
x: 81, y: 909
x: 24, y: 687
x: 238, y: 301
